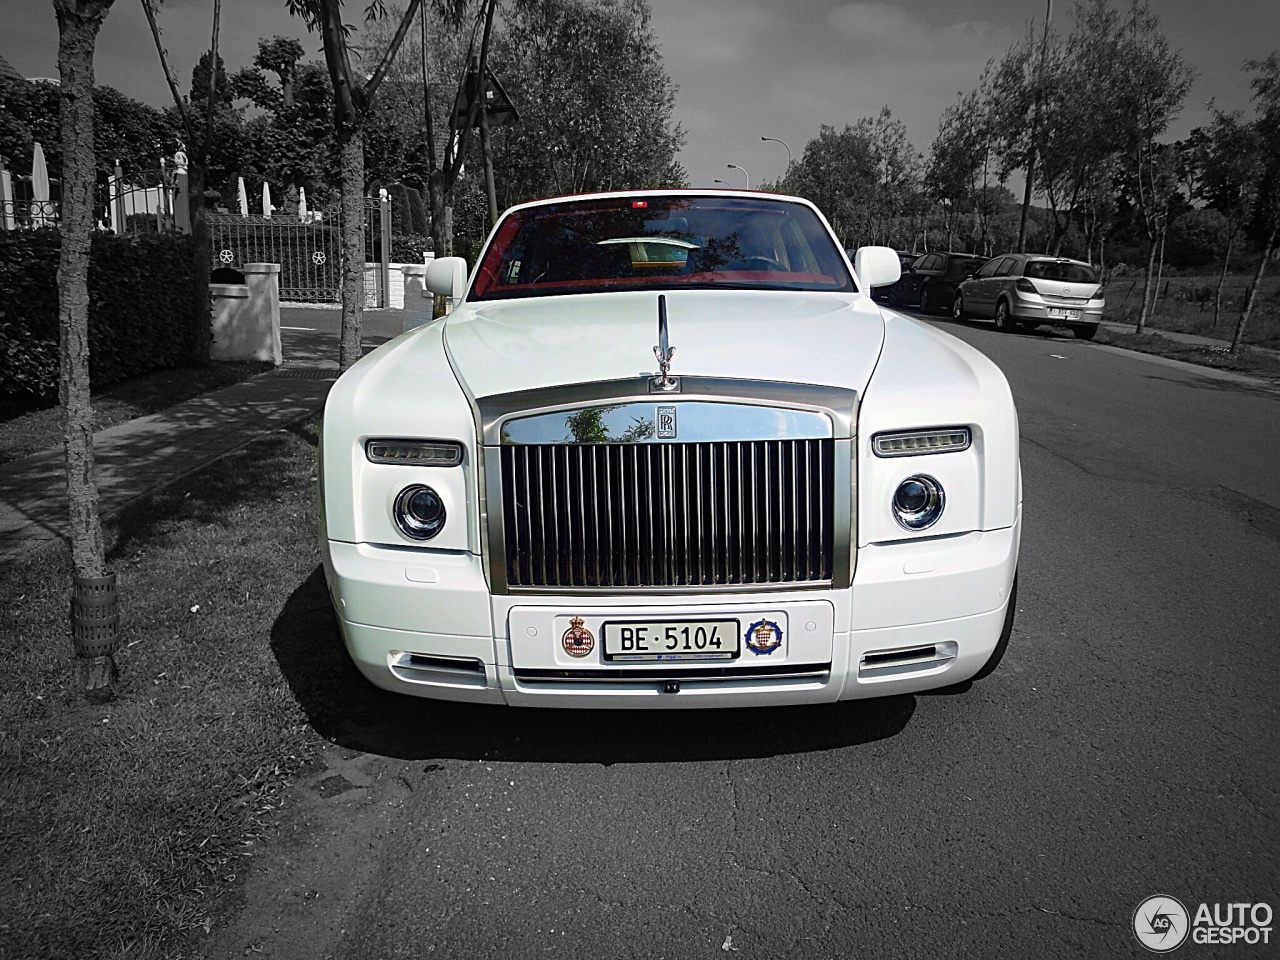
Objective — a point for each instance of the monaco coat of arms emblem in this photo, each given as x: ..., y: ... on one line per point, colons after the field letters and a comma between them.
x: 577, y: 640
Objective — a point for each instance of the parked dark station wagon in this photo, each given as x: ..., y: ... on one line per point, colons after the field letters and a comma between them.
x: 929, y: 282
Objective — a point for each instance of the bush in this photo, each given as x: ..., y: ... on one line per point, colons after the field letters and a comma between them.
x: 409, y: 248
x: 408, y: 214
x: 401, y: 219
x: 139, y: 311
x: 417, y: 212
x: 1196, y: 238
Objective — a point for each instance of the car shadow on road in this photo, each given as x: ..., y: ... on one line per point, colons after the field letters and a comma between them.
x: 346, y: 709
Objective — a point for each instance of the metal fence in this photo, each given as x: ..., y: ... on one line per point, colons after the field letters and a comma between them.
x: 138, y: 202
x: 308, y: 249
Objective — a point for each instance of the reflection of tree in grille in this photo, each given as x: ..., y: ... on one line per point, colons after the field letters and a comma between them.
x: 588, y: 426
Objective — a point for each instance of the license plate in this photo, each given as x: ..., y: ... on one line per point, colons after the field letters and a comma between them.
x: 1064, y: 314
x: 668, y: 640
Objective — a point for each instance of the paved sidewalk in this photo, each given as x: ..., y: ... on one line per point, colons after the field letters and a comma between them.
x: 142, y: 455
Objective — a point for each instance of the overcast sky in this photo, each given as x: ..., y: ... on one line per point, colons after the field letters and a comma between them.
x: 745, y: 68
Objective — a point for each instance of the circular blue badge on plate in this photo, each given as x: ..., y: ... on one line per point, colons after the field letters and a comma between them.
x: 764, y: 637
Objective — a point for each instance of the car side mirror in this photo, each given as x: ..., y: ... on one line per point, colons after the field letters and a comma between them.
x: 877, y: 266
x: 447, y: 276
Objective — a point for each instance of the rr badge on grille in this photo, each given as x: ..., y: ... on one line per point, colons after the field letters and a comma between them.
x: 666, y: 423
x: 764, y: 637
x: 577, y: 640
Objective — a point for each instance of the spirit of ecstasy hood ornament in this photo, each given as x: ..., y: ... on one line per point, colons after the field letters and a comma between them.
x: 664, y: 352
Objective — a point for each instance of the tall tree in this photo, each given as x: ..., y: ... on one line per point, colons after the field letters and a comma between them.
x: 124, y: 129
x: 416, y: 103
x: 584, y: 126
x: 78, y: 24
x: 280, y: 55
x: 1266, y: 98
x: 1079, y: 109
x: 1020, y: 85
x: 200, y: 141
x: 836, y: 171
x: 294, y: 144
x: 351, y: 100
x: 1015, y: 102
x: 957, y: 159
x: 1227, y: 158
x: 1151, y: 85
x: 855, y: 173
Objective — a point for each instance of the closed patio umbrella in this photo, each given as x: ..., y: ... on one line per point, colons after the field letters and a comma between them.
x: 244, y: 200
x: 39, y: 189
x: 302, y: 203
x: 266, y: 199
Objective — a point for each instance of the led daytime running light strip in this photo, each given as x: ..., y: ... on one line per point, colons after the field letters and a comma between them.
x: 917, y: 442
x: 424, y: 453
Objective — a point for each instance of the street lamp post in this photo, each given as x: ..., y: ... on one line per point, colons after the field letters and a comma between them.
x: 734, y: 166
x: 724, y: 182
x: 784, y: 145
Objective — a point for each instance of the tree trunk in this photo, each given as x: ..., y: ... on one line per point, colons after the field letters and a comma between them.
x: 440, y: 241
x: 1237, y: 341
x: 351, y: 171
x: 201, y: 332
x: 1222, y: 278
x: 1155, y: 294
x: 197, y: 178
x: 1146, y: 290
x: 1026, y: 195
x: 78, y: 25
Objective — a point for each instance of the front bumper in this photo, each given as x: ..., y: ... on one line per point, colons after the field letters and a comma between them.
x: 919, y: 615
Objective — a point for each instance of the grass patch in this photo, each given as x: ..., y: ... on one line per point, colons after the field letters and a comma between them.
x: 1185, y: 305
x: 37, y: 430
x: 122, y: 825
x: 1254, y: 362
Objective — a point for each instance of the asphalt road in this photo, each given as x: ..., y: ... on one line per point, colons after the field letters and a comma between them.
x: 1126, y: 747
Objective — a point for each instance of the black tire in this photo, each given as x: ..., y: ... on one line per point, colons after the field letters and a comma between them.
x: 1004, y: 320
x: 1085, y: 331
x: 1006, y: 631
x: 957, y: 306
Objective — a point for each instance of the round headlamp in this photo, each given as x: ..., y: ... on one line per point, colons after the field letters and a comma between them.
x: 918, y: 502
x: 419, y: 512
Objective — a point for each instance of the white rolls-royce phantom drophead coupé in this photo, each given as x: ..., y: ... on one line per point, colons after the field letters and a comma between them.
x: 665, y: 451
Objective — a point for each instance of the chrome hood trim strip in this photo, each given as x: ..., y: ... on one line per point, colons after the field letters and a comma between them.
x: 498, y: 410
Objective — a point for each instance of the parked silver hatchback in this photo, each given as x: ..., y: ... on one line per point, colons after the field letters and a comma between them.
x: 1027, y: 289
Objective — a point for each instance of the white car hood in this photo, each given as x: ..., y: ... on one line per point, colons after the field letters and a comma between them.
x: 818, y: 338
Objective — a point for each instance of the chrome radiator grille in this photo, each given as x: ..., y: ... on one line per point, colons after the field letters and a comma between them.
x: 668, y: 514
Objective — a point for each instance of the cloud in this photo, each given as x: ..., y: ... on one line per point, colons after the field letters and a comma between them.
x: 878, y: 29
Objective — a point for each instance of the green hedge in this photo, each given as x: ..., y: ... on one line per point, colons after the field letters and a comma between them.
x: 139, y: 311
x: 408, y: 247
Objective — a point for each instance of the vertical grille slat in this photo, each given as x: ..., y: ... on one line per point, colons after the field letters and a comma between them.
x: 683, y: 515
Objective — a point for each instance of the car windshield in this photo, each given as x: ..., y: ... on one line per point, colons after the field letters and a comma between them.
x: 660, y: 242
x: 1066, y: 271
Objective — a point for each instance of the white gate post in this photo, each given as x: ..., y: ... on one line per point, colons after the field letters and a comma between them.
x: 384, y: 209
x: 6, y: 198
